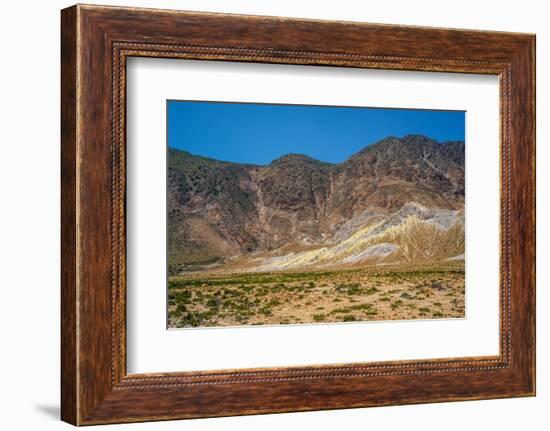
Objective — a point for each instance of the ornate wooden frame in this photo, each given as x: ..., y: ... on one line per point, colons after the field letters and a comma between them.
x: 96, y: 41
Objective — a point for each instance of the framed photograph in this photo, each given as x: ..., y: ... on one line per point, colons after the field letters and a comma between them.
x: 282, y: 214
x: 266, y: 215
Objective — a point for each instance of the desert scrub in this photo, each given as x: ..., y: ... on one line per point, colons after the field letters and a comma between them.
x: 396, y: 304
x: 436, y: 285
x: 202, y: 299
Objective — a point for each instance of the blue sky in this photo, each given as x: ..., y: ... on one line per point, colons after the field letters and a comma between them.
x: 259, y: 133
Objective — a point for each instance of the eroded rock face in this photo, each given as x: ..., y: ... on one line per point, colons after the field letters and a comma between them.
x: 218, y: 210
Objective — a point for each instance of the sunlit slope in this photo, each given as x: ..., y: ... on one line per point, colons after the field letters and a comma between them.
x: 410, y: 234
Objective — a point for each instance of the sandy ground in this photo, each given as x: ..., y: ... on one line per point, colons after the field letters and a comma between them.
x: 378, y: 293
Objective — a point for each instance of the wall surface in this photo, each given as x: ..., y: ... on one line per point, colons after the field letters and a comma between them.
x: 29, y: 215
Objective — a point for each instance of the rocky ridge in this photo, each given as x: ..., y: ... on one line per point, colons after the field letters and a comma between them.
x: 299, y: 212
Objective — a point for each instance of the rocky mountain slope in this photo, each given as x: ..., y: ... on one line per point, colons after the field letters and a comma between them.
x: 299, y: 212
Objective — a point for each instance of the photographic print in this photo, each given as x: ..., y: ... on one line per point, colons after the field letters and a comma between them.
x: 300, y: 214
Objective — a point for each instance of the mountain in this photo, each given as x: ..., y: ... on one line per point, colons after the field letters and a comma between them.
x: 299, y: 212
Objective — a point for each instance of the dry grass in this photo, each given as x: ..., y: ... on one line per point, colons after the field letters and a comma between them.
x: 419, y: 240
x: 403, y: 292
